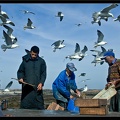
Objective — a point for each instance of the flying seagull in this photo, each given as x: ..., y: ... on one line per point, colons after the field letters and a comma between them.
x: 58, y: 45
x: 79, y: 24
x: 84, y: 89
x: 84, y: 80
x: 82, y: 74
x: 9, y: 44
x: 29, y: 25
x: 9, y: 32
x: 61, y: 15
x: 105, y: 13
x: 100, y: 41
x: 26, y: 12
x: 6, y: 21
x: 8, y: 86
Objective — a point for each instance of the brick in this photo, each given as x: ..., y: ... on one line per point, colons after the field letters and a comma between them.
x: 54, y: 106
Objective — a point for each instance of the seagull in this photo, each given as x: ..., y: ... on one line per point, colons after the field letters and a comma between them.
x: 58, y: 45
x: 4, y: 14
x: 26, y: 12
x: 5, y: 21
x: 82, y: 74
x: 84, y: 89
x: 77, y: 53
x: 100, y: 41
x: 29, y: 25
x: 9, y: 44
x: 84, y: 80
x: 9, y: 32
x: 79, y: 24
x: 61, y: 15
x: 117, y: 19
x: 8, y: 86
x: 105, y: 13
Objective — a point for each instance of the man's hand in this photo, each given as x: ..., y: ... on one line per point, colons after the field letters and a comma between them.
x: 39, y: 86
x: 20, y: 80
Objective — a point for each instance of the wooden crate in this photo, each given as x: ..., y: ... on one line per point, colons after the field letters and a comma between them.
x: 90, y: 102
x: 106, y: 93
x: 94, y: 111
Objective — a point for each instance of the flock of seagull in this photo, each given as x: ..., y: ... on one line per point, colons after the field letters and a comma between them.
x: 11, y: 41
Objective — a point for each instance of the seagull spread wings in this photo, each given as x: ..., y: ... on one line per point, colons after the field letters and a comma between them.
x: 107, y: 9
x: 100, y: 36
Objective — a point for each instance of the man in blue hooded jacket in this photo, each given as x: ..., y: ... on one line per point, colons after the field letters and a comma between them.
x: 62, y: 85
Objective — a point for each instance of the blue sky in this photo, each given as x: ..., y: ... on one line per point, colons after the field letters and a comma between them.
x: 49, y: 29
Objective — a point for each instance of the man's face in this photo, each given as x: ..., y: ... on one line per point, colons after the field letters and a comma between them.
x: 108, y: 59
x: 33, y: 55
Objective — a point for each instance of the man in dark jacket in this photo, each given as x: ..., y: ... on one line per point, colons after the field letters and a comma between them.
x: 32, y: 71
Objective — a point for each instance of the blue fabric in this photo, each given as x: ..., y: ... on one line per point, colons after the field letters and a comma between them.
x: 62, y: 85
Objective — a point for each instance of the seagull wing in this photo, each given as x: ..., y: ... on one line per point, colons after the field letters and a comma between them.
x: 32, y: 13
x: 77, y: 48
x: 84, y: 49
x: 59, y: 13
x: 9, y: 85
x: 107, y: 9
x: 10, y: 30
x: 100, y: 36
x: 29, y: 22
x: 57, y: 43
x: 3, y: 18
x: 103, y: 49
x: 8, y: 40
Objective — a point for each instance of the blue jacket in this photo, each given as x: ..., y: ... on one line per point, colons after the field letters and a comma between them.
x: 62, y: 85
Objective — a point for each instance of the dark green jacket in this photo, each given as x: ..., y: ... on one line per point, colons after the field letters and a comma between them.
x: 32, y: 71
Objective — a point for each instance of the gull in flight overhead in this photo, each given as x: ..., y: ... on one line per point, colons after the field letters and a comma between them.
x: 100, y: 41
x: 8, y: 86
x: 4, y: 14
x: 26, y: 12
x: 82, y: 74
x: 29, y: 25
x: 8, y: 41
x: 84, y: 89
x: 79, y: 24
x: 117, y: 19
x: 105, y: 13
x: 58, y: 45
x: 84, y: 80
x: 9, y: 32
x: 61, y: 15
x: 77, y: 53
x: 98, y: 56
x: 6, y: 21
